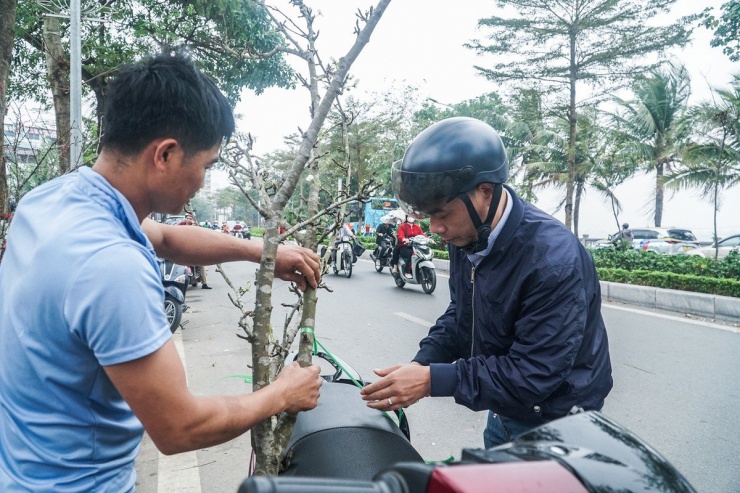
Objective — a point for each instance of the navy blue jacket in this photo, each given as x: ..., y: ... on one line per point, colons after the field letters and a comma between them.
x: 523, y: 334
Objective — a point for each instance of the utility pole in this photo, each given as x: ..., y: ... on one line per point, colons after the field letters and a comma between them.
x: 75, y: 82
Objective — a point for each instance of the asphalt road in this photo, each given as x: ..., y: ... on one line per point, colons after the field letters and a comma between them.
x: 675, y: 379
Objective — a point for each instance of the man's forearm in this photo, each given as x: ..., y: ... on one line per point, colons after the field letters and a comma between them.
x: 218, y: 419
x: 193, y: 245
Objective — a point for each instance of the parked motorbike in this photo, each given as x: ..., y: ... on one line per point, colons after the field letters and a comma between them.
x: 342, y: 445
x: 175, y: 280
x: 385, y: 253
x: 422, y: 267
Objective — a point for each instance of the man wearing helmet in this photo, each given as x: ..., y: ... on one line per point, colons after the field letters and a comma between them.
x: 523, y: 335
x: 623, y: 240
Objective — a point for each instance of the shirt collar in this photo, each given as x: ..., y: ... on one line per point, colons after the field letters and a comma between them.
x: 101, y: 191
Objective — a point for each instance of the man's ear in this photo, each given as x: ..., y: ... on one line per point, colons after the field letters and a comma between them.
x: 486, y: 189
x: 166, y: 151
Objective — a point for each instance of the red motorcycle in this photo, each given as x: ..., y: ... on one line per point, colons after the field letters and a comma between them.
x: 344, y: 446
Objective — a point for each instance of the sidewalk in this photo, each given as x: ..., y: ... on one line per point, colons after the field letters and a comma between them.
x: 705, y: 305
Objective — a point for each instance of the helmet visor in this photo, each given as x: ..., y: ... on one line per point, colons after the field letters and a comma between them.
x: 421, y: 194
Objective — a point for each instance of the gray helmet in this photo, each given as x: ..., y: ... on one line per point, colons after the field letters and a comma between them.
x: 447, y: 159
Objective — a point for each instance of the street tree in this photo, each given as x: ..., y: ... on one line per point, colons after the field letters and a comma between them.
x: 711, y: 162
x: 560, y: 45
x: 7, y: 27
x: 550, y: 145
x: 233, y: 200
x: 726, y: 28
x: 227, y: 39
x: 651, y: 123
x: 324, y: 81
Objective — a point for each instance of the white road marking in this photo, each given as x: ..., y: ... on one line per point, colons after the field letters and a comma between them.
x: 645, y: 311
x: 414, y: 319
x: 178, y: 472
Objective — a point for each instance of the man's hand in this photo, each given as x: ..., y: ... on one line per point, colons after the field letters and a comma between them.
x: 400, y: 386
x: 301, y: 387
x: 299, y: 265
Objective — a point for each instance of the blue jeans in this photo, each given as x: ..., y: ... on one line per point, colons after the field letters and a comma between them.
x: 501, y: 429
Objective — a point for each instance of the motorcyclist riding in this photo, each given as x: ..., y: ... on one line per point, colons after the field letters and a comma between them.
x: 344, y: 231
x: 384, y: 233
x: 406, y: 231
x: 385, y: 243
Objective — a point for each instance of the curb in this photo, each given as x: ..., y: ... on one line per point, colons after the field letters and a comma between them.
x: 705, y: 305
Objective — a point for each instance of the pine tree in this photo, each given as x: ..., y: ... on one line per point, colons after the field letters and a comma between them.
x: 556, y: 44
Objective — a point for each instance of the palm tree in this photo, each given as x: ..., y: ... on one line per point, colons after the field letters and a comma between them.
x: 712, y: 160
x: 597, y: 163
x: 651, y: 124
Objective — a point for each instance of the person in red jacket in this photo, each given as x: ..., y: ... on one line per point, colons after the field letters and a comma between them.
x: 406, y: 231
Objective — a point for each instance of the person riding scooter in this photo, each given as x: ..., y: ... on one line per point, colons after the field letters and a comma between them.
x: 384, y: 238
x: 406, y: 231
x: 344, y: 232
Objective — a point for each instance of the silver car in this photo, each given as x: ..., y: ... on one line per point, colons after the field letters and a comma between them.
x: 664, y: 240
x: 723, y: 247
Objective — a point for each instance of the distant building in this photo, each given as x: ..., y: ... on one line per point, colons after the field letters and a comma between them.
x: 23, y: 143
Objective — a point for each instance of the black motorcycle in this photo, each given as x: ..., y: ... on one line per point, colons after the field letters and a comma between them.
x: 175, y: 280
x: 384, y: 253
x: 342, y: 445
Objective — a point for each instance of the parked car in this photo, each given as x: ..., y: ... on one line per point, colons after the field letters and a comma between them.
x: 723, y: 248
x: 659, y: 240
x: 664, y: 240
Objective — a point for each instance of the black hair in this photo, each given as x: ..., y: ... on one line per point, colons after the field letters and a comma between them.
x: 164, y: 96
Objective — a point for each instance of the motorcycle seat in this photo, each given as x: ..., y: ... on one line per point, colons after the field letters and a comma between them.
x: 343, y: 438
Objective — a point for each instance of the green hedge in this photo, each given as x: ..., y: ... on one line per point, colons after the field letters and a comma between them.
x: 637, y: 260
x: 669, y: 280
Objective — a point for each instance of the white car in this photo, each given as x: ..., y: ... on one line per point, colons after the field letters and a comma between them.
x: 723, y: 247
x: 659, y: 240
x: 664, y: 240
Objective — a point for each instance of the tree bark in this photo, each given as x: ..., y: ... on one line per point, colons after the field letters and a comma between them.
x: 659, y: 193
x: 577, y: 207
x: 57, y: 67
x: 7, y: 31
x: 263, y: 438
x: 572, y: 122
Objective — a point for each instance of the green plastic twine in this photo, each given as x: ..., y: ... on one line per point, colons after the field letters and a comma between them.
x: 245, y: 378
x: 309, y: 330
x: 358, y: 384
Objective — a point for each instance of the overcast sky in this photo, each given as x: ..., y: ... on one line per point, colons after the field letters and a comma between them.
x: 420, y: 44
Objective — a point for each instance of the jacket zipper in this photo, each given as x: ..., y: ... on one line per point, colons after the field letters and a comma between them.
x: 472, y: 306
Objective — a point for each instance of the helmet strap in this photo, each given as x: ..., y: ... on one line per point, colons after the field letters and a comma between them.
x: 482, y: 227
